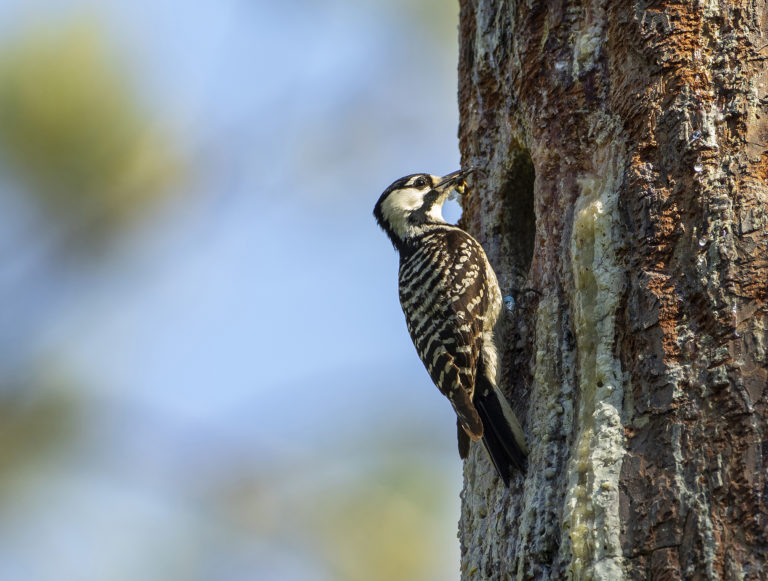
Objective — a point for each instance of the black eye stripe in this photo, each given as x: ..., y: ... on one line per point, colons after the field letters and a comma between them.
x: 420, y: 181
x: 407, y: 182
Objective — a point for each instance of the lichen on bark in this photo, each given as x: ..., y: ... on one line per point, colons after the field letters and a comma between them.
x: 591, y: 511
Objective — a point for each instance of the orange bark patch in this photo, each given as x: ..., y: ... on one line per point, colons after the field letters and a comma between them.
x: 664, y: 291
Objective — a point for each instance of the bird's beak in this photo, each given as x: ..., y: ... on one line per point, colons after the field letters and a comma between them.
x: 456, y: 179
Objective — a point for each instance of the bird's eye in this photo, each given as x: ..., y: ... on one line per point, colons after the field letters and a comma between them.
x: 419, y: 183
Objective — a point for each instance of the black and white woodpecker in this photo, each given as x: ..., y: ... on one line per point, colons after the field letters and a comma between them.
x: 451, y: 300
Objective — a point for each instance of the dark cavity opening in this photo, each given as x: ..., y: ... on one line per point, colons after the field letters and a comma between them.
x: 516, y: 228
x: 518, y: 222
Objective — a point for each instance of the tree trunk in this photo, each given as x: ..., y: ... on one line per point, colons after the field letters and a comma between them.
x: 638, y: 367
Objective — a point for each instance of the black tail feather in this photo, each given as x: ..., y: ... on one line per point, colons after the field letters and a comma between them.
x: 501, y: 438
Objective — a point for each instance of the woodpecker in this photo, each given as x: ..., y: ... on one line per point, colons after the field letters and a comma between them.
x: 451, y: 300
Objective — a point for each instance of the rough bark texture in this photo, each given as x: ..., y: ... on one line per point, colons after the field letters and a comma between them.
x: 639, y: 368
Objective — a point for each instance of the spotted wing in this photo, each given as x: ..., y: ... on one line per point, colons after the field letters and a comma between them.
x: 444, y: 298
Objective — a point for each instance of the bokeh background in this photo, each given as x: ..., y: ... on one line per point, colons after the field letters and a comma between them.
x: 205, y: 374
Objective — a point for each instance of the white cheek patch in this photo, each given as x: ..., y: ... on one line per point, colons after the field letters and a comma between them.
x: 398, y: 206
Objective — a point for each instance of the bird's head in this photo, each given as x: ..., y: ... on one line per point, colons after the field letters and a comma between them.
x: 414, y: 202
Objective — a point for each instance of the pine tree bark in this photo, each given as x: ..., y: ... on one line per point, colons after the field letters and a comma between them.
x: 638, y: 366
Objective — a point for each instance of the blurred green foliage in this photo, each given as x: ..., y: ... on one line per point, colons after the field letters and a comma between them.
x: 377, y: 518
x: 37, y: 422
x: 73, y: 132
x: 384, y: 527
